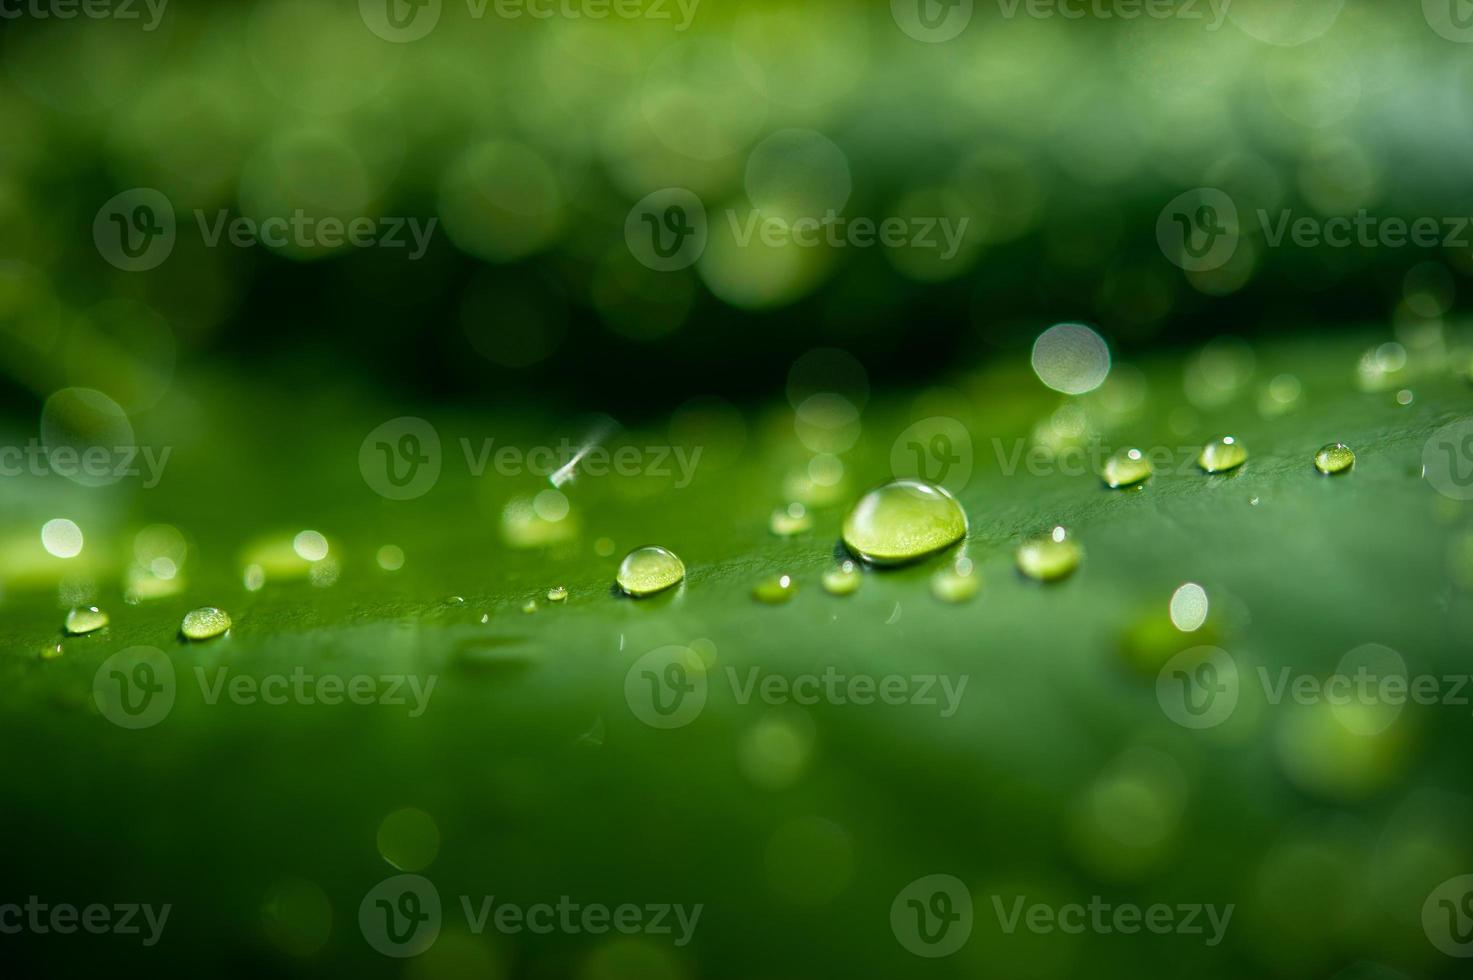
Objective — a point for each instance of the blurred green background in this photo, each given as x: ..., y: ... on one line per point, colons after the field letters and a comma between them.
x: 259, y: 379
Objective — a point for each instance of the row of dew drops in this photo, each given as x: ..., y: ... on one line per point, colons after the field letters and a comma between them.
x: 895, y: 524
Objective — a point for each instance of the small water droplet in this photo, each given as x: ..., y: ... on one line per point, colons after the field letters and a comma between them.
x: 1049, y: 557
x: 530, y: 606
x: 791, y: 520
x: 1222, y: 455
x: 1337, y: 457
x: 557, y: 594
x: 778, y: 588
x: 205, y: 623
x: 51, y: 651
x: 842, y: 579
x: 1125, y: 468
x: 903, y: 521
x: 85, y: 619
x: 645, y: 571
x: 254, y: 578
x: 1404, y: 396
x: 957, y: 583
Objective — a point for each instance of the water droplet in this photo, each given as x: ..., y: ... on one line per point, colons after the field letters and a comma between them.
x: 903, y: 521
x: 204, y: 623
x: 794, y: 519
x: 1126, y: 468
x: 557, y: 594
x: 530, y: 606
x: 1221, y: 455
x: 310, y: 545
x: 1337, y: 457
x: 779, y: 588
x: 51, y: 651
x: 645, y: 571
x: 85, y: 619
x: 62, y: 538
x: 843, y: 579
x: 1189, y: 607
x: 958, y: 583
x: 1404, y: 396
x: 1049, y: 557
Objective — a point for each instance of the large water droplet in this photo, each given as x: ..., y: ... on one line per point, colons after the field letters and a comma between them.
x: 85, y: 619
x: 1334, y: 458
x: 205, y: 623
x: 903, y: 521
x: 779, y: 588
x: 1126, y: 468
x: 1221, y: 455
x: 1049, y: 557
x: 843, y: 579
x: 645, y: 571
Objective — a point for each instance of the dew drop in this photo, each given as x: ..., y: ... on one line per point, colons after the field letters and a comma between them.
x: 842, y: 579
x: 957, y: 583
x: 51, y: 651
x: 1221, y: 455
x: 85, y: 619
x: 557, y: 594
x: 1334, y: 458
x: 1049, y: 557
x: 779, y: 588
x: 791, y: 520
x: 530, y: 606
x: 205, y: 623
x: 645, y: 571
x: 1126, y: 468
x: 903, y: 521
